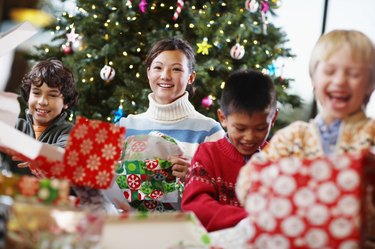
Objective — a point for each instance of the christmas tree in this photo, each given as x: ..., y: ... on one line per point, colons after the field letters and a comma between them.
x: 105, y: 44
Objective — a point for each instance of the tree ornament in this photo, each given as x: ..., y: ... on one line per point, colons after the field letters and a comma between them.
x: 119, y: 113
x: 107, y: 73
x: 207, y: 101
x: 77, y: 44
x: 237, y: 51
x: 203, y: 47
x: 252, y: 5
x: 67, y: 48
x: 72, y: 36
x: 180, y: 4
x: 143, y: 6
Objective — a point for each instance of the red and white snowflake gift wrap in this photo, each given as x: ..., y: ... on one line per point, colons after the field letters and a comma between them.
x: 295, y: 203
x: 91, y: 155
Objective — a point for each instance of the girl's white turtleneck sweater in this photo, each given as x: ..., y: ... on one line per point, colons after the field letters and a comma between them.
x: 178, y: 119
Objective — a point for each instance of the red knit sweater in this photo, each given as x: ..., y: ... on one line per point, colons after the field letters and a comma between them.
x: 210, y: 185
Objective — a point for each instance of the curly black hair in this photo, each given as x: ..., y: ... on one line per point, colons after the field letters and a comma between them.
x: 52, y: 72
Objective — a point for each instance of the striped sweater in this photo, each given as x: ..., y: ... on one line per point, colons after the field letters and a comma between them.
x: 179, y: 120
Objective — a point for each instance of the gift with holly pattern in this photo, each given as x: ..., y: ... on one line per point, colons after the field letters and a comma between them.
x: 327, y: 202
x: 145, y: 175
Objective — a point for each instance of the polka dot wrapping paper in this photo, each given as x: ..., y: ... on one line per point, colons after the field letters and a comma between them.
x: 321, y: 203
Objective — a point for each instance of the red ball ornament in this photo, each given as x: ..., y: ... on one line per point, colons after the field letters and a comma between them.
x: 67, y: 49
x: 237, y: 52
x: 107, y: 73
x: 207, y: 101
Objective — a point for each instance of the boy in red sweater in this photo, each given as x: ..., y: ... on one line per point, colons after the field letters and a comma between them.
x: 248, y: 111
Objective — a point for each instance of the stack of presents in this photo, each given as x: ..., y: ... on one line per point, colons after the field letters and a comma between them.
x: 292, y: 203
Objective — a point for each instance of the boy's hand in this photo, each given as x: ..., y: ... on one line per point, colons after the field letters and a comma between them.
x: 180, y: 166
x: 20, y: 165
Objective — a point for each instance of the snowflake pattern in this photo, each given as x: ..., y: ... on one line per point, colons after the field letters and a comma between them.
x: 93, y: 162
x: 103, y: 178
x: 101, y: 136
x: 86, y: 147
x: 79, y: 174
x: 80, y: 132
x: 73, y: 157
x: 109, y: 151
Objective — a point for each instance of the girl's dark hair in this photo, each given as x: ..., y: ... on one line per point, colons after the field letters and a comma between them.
x: 55, y: 75
x: 171, y: 44
x: 248, y: 91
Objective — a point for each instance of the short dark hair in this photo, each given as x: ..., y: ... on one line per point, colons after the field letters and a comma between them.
x: 52, y: 72
x: 248, y: 91
x: 171, y: 44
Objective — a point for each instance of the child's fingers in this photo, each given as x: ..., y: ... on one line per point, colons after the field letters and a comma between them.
x: 23, y: 165
x: 179, y: 170
x: 123, y: 206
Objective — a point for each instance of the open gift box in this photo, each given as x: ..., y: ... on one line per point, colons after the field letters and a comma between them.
x: 323, y: 203
x: 144, y: 230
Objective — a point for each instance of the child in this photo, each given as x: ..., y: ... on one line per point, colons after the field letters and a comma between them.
x: 248, y: 111
x: 170, y: 71
x: 49, y: 91
x: 343, y: 76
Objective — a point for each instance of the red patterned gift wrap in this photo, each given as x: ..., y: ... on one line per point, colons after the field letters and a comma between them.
x: 322, y: 203
x: 91, y: 155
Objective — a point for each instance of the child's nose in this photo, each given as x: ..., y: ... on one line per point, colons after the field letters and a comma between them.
x: 166, y: 74
x: 340, y: 77
x: 43, y: 100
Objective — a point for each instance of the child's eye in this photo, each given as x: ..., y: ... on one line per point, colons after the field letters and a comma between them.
x: 329, y: 71
x: 240, y: 129
x: 177, y: 69
x: 157, y: 67
x: 354, y: 74
x: 261, y: 129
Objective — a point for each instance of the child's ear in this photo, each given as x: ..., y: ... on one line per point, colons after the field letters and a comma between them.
x: 275, y: 116
x: 66, y: 106
x: 222, y: 118
x: 192, y: 77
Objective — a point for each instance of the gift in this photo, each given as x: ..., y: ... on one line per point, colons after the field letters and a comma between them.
x: 144, y: 175
x: 89, y: 159
x: 33, y: 190
x: 37, y: 226
x: 322, y: 203
x: 169, y: 230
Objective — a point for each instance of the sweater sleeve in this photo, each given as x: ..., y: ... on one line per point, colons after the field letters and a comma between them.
x: 201, y: 196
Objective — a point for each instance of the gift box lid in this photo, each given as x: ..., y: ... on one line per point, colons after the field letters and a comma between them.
x: 154, y: 230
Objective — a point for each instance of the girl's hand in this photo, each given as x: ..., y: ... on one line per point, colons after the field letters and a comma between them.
x: 180, y: 166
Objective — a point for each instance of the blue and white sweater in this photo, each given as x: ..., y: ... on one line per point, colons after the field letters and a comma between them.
x: 179, y: 120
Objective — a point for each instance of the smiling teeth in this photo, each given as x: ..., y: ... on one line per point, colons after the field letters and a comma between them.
x: 165, y: 85
x: 42, y: 111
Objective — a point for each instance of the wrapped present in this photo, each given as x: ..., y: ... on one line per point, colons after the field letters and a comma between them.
x: 321, y: 203
x: 89, y: 159
x: 91, y: 155
x: 33, y: 190
x: 144, y: 175
x: 172, y: 230
x: 37, y: 226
